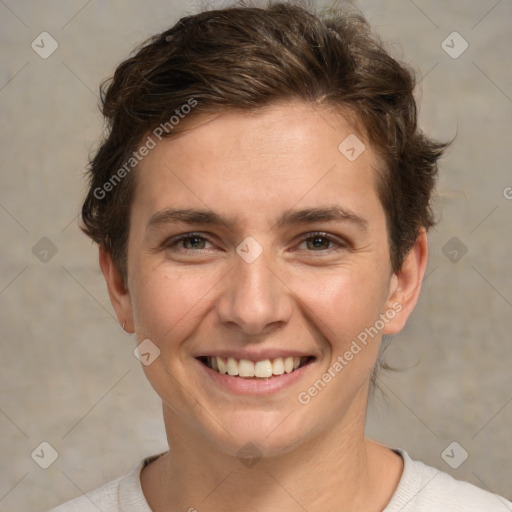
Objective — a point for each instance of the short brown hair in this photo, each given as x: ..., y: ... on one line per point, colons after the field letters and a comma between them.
x: 245, y: 58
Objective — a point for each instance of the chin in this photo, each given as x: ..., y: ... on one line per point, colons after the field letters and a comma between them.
x: 261, y: 434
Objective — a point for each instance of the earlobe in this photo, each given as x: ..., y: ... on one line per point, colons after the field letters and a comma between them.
x: 405, y: 285
x: 117, y: 290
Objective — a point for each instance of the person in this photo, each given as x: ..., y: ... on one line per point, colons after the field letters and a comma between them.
x: 261, y: 203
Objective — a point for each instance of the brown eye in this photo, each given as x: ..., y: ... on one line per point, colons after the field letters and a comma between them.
x: 188, y: 242
x: 193, y: 242
x: 318, y: 242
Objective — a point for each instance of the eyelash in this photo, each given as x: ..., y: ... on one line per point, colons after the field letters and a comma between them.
x: 173, y: 242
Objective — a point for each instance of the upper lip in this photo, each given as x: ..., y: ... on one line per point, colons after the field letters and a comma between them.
x: 254, y: 355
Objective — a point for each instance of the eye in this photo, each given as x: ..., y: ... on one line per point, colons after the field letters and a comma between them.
x: 194, y: 242
x: 319, y: 242
x: 187, y: 242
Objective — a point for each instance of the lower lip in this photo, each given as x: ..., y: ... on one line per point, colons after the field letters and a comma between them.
x: 254, y: 386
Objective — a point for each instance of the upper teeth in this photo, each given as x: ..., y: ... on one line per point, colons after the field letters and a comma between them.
x: 247, y: 368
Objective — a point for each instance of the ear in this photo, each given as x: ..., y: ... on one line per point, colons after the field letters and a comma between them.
x: 405, y: 285
x: 117, y: 290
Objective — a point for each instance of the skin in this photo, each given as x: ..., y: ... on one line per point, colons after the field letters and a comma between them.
x: 200, y: 296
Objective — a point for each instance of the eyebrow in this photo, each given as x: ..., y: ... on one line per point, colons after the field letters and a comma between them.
x: 288, y: 218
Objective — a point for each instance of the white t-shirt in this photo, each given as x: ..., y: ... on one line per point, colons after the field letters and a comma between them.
x: 421, y: 489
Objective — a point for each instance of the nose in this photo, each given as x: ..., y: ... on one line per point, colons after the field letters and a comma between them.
x: 255, y: 298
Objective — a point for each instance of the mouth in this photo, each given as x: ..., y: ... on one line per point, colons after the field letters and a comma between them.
x: 247, y: 369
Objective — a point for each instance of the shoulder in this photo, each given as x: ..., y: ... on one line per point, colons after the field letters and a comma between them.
x: 123, y: 494
x: 423, y: 488
x: 105, y: 498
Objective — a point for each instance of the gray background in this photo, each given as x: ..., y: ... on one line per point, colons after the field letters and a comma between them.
x: 68, y: 375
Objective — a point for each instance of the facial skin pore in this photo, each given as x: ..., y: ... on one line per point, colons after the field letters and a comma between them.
x: 316, y: 285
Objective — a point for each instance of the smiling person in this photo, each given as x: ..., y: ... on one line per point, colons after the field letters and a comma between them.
x: 261, y: 203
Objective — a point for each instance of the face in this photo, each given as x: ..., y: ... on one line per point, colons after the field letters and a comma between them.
x: 257, y: 246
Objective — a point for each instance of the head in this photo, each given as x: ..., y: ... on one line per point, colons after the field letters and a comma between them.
x: 249, y: 115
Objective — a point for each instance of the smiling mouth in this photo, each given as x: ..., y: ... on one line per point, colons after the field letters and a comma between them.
x: 263, y: 369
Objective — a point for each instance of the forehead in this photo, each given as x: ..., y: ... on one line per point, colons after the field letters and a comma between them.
x: 261, y: 162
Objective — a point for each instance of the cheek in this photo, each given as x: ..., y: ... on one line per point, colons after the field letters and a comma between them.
x: 168, y: 302
x: 341, y: 303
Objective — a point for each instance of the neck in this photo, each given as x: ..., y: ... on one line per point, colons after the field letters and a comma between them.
x: 335, y: 467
